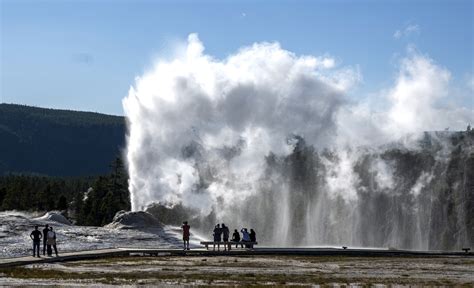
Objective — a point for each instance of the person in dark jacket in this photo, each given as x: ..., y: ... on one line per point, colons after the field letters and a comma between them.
x: 186, y: 234
x: 225, y: 235
x: 253, y: 237
x: 45, y: 237
x: 217, y: 236
x: 36, y: 237
x: 236, y: 238
x: 225, y: 232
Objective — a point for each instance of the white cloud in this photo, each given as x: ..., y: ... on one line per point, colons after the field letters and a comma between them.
x: 408, y: 30
x: 412, y: 29
x: 470, y: 83
x: 397, y: 34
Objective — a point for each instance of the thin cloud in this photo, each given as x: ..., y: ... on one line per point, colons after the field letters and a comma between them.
x: 470, y: 82
x: 410, y: 29
x: 83, y: 58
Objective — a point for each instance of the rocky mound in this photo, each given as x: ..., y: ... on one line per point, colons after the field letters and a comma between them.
x: 138, y: 219
x: 171, y: 215
x: 54, y: 217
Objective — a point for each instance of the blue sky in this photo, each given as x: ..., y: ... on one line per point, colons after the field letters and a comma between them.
x: 84, y: 55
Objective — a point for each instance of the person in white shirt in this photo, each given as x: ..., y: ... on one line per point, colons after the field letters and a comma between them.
x: 51, y: 242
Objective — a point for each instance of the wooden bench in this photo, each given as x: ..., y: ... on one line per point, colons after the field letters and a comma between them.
x: 466, y: 249
x: 228, y: 244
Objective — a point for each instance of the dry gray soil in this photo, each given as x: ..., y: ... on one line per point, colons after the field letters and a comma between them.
x: 249, y: 271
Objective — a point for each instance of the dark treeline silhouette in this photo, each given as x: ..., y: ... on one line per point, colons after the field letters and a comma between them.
x: 58, y: 142
x: 86, y: 200
x: 108, y: 195
x: 40, y: 193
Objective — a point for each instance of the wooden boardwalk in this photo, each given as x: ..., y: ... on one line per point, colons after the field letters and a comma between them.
x: 123, y: 252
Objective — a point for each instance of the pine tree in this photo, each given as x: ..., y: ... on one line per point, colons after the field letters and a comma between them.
x: 119, y: 185
x: 62, y: 203
x: 11, y: 200
x: 47, y: 198
x: 109, y: 195
x: 3, y: 192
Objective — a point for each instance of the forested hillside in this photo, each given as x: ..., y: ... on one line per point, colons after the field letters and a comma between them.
x: 58, y: 142
x: 85, y: 200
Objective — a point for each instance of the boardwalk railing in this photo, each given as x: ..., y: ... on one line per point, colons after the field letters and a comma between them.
x: 228, y: 244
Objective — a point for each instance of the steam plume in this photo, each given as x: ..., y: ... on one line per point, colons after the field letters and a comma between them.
x: 201, y: 130
x: 258, y: 97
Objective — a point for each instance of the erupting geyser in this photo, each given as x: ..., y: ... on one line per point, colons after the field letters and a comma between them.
x: 270, y: 140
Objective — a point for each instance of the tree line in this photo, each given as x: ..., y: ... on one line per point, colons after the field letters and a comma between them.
x: 84, y: 200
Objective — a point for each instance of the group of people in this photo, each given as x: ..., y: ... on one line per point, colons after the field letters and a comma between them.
x: 49, y: 241
x: 221, y: 233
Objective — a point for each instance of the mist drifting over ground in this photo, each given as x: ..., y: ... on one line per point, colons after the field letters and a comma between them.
x: 269, y: 139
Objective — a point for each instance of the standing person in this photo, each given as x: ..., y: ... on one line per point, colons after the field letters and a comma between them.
x: 217, y: 236
x: 45, y: 237
x: 245, y: 236
x: 225, y: 235
x: 186, y: 233
x: 36, y: 237
x: 253, y: 237
x: 51, y: 242
x: 236, y: 237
